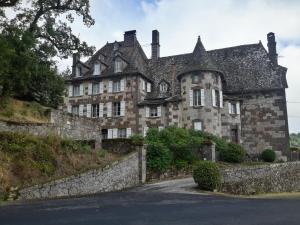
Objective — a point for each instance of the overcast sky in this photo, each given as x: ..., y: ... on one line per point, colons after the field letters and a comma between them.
x: 220, y: 24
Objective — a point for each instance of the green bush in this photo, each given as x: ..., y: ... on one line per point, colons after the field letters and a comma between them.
x: 234, y: 153
x: 158, y: 157
x: 207, y: 175
x: 137, y: 139
x: 268, y: 155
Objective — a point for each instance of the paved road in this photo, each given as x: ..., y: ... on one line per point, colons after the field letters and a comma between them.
x: 166, y: 203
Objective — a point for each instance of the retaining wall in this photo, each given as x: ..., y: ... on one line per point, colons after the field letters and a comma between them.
x: 126, y: 173
x: 281, y: 177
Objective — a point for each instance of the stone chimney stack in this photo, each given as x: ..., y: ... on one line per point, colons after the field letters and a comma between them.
x: 76, y: 58
x: 129, y: 38
x: 155, y: 51
x: 272, y: 48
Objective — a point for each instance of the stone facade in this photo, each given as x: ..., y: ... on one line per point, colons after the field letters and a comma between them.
x: 129, y: 172
x: 282, y: 177
x: 237, y: 93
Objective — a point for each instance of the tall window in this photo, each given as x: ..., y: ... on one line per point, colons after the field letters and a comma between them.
x: 197, y: 97
x: 163, y: 87
x: 97, y: 69
x: 217, y: 96
x: 95, y: 88
x: 78, y: 71
x: 118, y: 65
x: 75, y: 109
x: 104, y: 133
x: 76, y: 90
x: 117, y: 86
x: 95, y: 110
x: 233, y: 108
x: 117, y: 109
x: 153, y: 112
x: 122, y: 133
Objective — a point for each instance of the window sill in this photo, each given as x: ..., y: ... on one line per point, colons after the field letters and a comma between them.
x: 197, y: 106
x: 153, y: 117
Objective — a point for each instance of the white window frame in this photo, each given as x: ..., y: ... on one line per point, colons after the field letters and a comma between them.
x: 97, y: 69
x: 118, y: 65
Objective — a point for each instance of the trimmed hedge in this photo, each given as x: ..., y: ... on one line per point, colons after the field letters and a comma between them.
x: 268, y: 155
x: 233, y: 153
x: 207, y: 175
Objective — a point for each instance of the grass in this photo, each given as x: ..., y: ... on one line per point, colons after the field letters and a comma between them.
x: 13, y: 110
x: 26, y: 159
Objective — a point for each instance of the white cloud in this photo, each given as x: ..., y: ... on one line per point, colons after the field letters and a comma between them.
x: 221, y: 24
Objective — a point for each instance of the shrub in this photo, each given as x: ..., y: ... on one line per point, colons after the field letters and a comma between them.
x: 207, y: 175
x: 137, y: 139
x: 268, y: 155
x: 234, y: 153
x: 158, y: 157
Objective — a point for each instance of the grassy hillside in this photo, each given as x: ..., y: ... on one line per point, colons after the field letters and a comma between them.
x: 26, y: 159
x: 21, y: 111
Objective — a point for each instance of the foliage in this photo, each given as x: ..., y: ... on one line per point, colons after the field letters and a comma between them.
x: 158, y: 157
x: 137, y: 139
x: 295, y: 140
x: 234, y: 153
x: 207, y: 175
x: 268, y: 155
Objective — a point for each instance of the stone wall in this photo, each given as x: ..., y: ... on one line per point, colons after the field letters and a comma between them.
x: 282, y: 177
x: 129, y: 172
x: 264, y: 122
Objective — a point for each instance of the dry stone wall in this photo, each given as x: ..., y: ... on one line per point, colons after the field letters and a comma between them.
x: 281, y: 177
x: 129, y: 172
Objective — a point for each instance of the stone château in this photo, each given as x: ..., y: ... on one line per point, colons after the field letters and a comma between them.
x: 237, y: 93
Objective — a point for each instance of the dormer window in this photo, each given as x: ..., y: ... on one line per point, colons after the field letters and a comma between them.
x: 163, y: 87
x: 118, y: 65
x: 97, y: 69
x: 78, y: 71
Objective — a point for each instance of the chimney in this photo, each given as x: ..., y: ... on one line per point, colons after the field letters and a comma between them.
x: 155, y: 51
x: 76, y: 58
x: 130, y: 38
x: 272, y: 48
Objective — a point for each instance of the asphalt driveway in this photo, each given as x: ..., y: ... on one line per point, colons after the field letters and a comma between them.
x: 166, y: 203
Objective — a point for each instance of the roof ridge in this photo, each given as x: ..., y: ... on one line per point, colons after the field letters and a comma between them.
x: 237, y: 46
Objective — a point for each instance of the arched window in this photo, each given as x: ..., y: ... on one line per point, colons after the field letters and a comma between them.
x: 163, y: 87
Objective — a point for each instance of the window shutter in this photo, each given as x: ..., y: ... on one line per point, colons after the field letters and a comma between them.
x: 238, y: 110
x: 229, y: 108
x: 115, y: 132
x: 109, y: 109
x: 81, y: 90
x: 128, y: 132
x: 110, y: 86
x: 191, y: 98
x: 122, y: 88
x: 109, y: 133
x: 202, y: 97
x: 90, y: 89
x: 221, y: 99
x: 70, y: 90
x: 88, y: 110
x: 122, y: 113
x: 69, y: 108
x: 147, y: 111
x: 101, y: 87
x: 159, y: 111
x: 145, y: 130
x: 80, y: 110
x: 148, y: 87
x: 100, y: 110
x: 213, y: 96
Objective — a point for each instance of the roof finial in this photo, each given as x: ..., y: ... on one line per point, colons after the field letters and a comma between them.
x: 199, y: 39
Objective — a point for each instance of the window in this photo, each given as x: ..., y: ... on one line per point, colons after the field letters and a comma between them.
x: 78, y: 71
x: 234, y: 135
x: 104, y: 133
x: 198, y: 125
x: 195, y: 79
x: 197, y: 97
x: 75, y: 109
x: 76, y: 90
x: 217, y: 97
x: 233, y: 108
x: 95, y: 110
x: 122, y: 133
x: 153, y: 112
x: 117, y: 86
x: 118, y: 65
x: 97, y: 69
x: 163, y: 87
x: 117, y: 109
x: 95, y: 88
